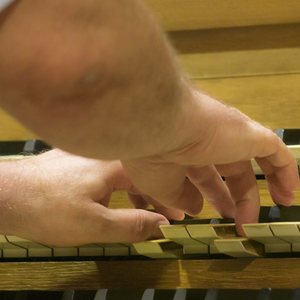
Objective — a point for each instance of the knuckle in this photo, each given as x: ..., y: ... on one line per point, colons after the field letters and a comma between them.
x: 140, y: 226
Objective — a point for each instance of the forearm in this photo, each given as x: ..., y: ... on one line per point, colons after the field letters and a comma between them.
x: 94, y: 77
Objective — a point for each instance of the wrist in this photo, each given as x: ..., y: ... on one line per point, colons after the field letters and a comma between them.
x: 16, y: 181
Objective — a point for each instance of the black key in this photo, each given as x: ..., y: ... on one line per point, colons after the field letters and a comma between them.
x: 296, y: 294
x: 124, y: 294
x: 35, y: 147
x: 237, y: 294
x: 195, y: 294
x: 164, y: 295
x: 291, y: 136
x: 38, y: 295
x: 11, y: 148
x: 264, y: 294
x: 281, y: 294
x: 84, y: 295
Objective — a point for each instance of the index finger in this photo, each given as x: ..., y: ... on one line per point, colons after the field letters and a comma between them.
x: 281, y: 172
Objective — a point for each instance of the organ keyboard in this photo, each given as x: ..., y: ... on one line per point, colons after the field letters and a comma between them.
x: 191, y: 239
x: 247, y: 54
x: 189, y: 245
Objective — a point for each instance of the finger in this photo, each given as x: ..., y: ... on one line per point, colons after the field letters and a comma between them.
x: 166, y: 183
x: 242, y: 185
x: 169, y: 212
x: 281, y: 172
x: 142, y: 202
x: 138, y: 201
x: 130, y: 225
x: 211, y: 185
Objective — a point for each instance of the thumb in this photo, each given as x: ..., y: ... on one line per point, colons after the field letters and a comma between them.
x: 132, y: 225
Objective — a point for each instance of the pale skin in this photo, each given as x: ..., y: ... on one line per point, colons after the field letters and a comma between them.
x: 61, y: 199
x: 99, y: 79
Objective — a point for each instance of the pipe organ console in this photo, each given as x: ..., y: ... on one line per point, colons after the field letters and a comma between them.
x: 246, y: 53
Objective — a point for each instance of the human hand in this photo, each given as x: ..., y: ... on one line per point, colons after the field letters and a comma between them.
x: 60, y: 199
x: 215, y: 140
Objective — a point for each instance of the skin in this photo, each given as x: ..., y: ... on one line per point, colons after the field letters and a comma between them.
x: 99, y: 79
x: 71, y: 197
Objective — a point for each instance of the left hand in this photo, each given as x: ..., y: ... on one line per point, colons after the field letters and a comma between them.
x: 60, y: 199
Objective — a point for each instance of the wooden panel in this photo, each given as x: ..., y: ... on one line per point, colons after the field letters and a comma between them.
x: 233, y: 52
x: 197, y: 14
x: 161, y: 274
x: 241, y: 63
x: 12, y: 130
x: 236, y: 39
x: 272, y: 100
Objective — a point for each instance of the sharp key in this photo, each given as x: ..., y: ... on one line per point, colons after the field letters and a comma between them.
x: 280, y: 294
x: 239, y: 247
x: 180, y: 294
x: 208, y: 233
x: 159, y: 249
x: 264, y: 294
x: 274, y: 214
x: 239, y: 294
x: 68, y: 295
x: 9, y: 250
x: 111, y: 249
x: 20, y: 295
x: 296, y: 294
x: 195, y: 294
x: 91, y: 250
x: 49, y: 295
x: 164, y: 295
x: 33, y: 249
x: 211, y: 294
x: 263, y: 233
x: 65, y: 252
x: 101, y: 294
x: 117, y: 294
x: 12, y: 295
x: 288, y: 232
x: 148, y: 294
x: 86, y: 295
x: 180, y: 235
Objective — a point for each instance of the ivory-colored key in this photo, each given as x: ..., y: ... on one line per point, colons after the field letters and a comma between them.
x: 208, y: 233
x: 91, y: 250
x: 239, y: 247
x: 289, y: 232
x: 9, y: 250
x: 159, y: 249
x: 115, y: 249
x: 262, y: 233
x: 180, y: 235
x: 65, y: 251
x: 33, y: 249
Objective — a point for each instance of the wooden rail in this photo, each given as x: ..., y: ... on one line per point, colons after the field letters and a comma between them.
x: 161, y: 274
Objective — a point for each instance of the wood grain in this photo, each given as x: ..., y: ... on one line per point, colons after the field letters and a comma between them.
x: 237, y: 52
x: 271, y: 100
x: 198, y: 14
x: 161, y: 274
